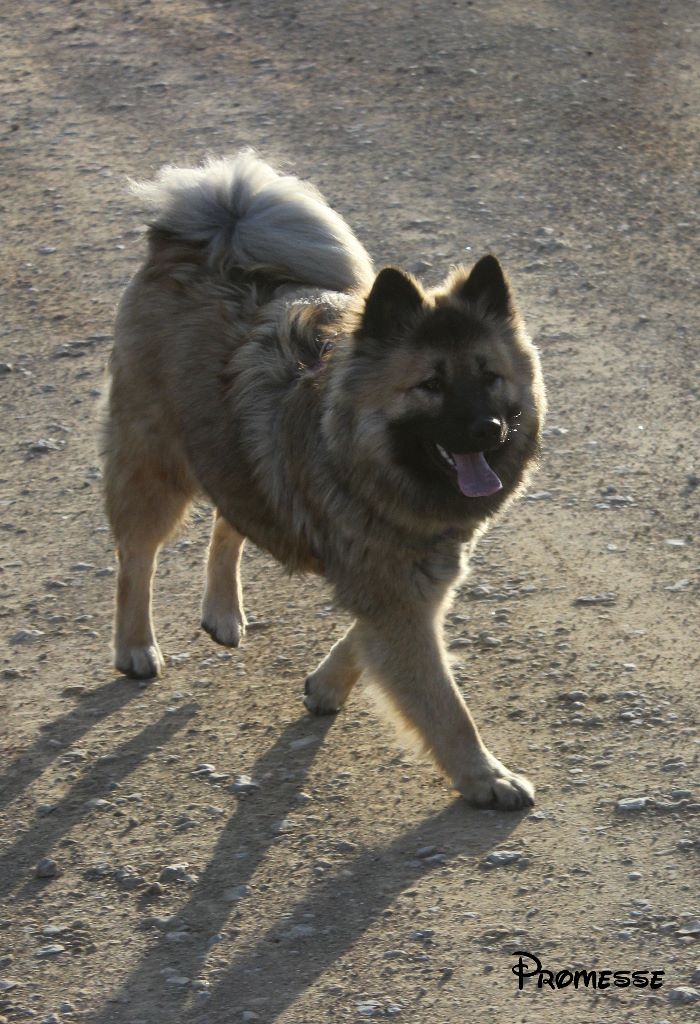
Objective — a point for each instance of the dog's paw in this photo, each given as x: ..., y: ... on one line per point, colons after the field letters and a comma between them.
x: 320, y: 699
x: 227, y: 628
x: 140, y: 662
x: 490, y: 784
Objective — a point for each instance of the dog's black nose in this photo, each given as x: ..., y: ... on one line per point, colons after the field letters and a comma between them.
x: 486, y: 432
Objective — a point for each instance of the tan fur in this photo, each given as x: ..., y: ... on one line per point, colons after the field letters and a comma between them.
x: 220, y: 386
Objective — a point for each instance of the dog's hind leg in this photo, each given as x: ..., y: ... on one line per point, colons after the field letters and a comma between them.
x: 328, y: 686
x: 222, y: 608
x: 144, y: 509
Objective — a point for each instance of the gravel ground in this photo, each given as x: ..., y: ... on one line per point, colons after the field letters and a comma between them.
x: 192, y: 851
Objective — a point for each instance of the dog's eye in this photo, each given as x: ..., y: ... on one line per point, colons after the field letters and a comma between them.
x: 490, y: 378
x: 433, y: 384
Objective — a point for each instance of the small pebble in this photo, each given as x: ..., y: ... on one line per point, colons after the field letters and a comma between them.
x: 53, y: 949
x: 74, y: 755
x: 632, y: 805
x: 500, y: 858
x: 43, y: 446
x: 683, y: 995
x: 426, y: 851
x: 299, y: 931
x: 345, y: 846
x: 128, y: 879
x: 162, y: 923
x: 282, y: 827
x: 370, y: 1008
x: 26, y: 636
x: 244, y: 785
x: 97, y: 804
x: 46, y: 868
x: 175, y: 873
x: 73, y: 691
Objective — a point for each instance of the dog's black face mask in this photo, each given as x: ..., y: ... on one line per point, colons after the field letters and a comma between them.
x: 458, y: 445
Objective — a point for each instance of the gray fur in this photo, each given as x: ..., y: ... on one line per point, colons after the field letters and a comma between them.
x: 252, y: 217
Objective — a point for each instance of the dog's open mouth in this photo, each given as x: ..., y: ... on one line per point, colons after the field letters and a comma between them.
x: 475, y: 478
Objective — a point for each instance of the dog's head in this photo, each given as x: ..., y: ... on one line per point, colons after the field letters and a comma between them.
x: 445, y: 390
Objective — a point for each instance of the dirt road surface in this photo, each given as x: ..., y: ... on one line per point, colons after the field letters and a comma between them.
x: 351, y: 883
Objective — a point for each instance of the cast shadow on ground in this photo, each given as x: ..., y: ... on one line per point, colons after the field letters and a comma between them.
x: 90, y: 709
x: 342, y: 906
x: 17, y: 862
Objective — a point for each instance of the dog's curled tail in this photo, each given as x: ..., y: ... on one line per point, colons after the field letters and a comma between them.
x: 254, y: 218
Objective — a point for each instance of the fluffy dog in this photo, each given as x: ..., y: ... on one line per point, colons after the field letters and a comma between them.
x: 353, y: 424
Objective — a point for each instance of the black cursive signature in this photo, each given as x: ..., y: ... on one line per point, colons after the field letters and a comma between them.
x: 532, y: 967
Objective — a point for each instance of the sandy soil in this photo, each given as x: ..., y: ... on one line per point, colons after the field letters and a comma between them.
x: 351, y: 884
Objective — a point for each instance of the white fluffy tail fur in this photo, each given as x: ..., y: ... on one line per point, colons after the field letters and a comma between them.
x: 252, y: 217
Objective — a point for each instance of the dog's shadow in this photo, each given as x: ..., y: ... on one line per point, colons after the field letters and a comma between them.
x: 96, y: 705
x: 342, y: 905
x: 48, y: 828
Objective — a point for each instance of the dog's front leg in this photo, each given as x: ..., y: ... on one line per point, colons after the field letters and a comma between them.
x: 407, y: 658
x: 328, y: 686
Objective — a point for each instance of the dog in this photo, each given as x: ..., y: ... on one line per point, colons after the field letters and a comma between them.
x: 353, y: 424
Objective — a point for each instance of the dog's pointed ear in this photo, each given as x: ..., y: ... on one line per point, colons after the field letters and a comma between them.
x: 394, y: 299
x: 487, y: 286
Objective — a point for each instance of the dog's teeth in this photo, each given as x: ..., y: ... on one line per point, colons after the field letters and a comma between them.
x: 446, y: 455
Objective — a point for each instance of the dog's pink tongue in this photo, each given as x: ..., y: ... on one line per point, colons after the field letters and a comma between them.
x: 475, y: 477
